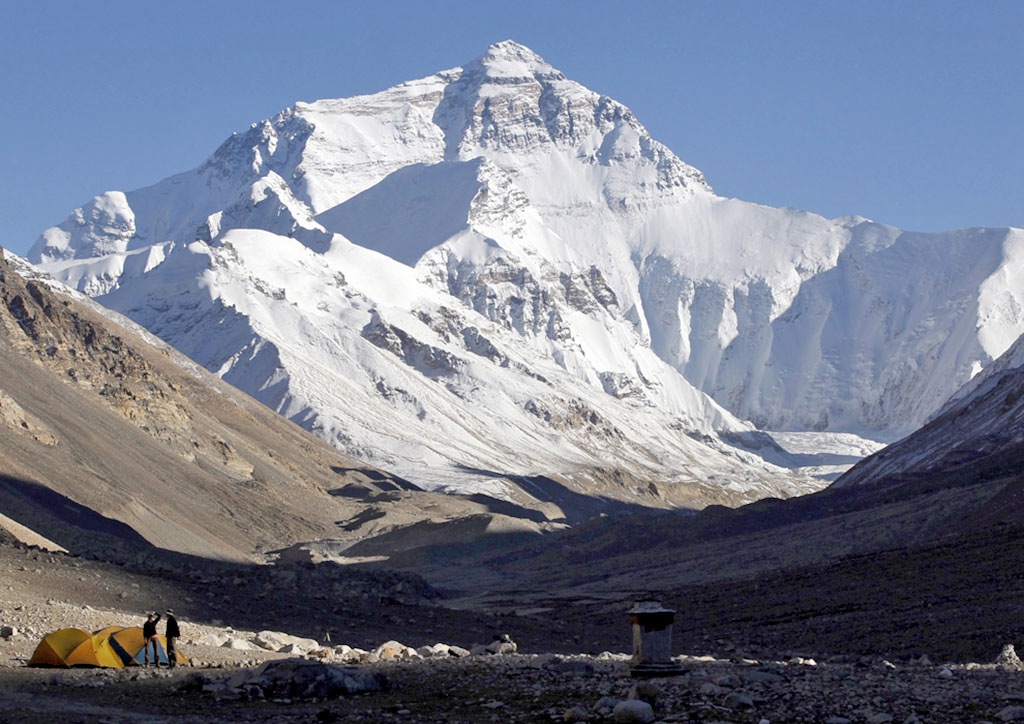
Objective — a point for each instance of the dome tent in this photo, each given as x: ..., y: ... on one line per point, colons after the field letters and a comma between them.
x: 95, y: 651
x: 57, y: 645
x: 112, y: 647
x: 131, y: 647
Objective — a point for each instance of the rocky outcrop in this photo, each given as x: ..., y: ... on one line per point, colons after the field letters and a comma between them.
x: 84, y: 352
x: 427, y: 359
x: 298, y: 679
x: 13, y: 416
x: 112, y: 442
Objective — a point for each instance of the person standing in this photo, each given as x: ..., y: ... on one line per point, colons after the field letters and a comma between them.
x: 149, y: 637
x: 171, y: 632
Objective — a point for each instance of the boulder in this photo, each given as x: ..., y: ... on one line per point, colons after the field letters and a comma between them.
x: 575, y: 714
x: 8, y: 632
x: 738, y: 700
x: 237, y: 644
x: 306, y: 679
x: 633, y: 711
x: 502, y: 645
x: 1007, y: 657
x: 347, y: 653
x: 214, y: 638
x: 392, y: 650
x: 278, y: 641
x: 1011, y: 713
x: 645, y: 691
x: 194, y: 682
x: 606, y: 705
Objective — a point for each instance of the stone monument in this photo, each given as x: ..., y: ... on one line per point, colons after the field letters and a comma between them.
x: 652, y: 640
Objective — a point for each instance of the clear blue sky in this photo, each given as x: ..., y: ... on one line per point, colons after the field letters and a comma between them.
x: 910, y: 113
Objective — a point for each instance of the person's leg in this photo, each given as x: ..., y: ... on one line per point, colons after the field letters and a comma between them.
x: 146, y: 665
x: 172, y: 651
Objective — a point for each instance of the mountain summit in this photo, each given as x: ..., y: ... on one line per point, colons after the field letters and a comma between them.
x: 509, y: 59
x: 494, y: 279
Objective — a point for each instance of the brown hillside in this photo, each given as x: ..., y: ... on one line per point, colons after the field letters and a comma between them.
x: 107, y: 441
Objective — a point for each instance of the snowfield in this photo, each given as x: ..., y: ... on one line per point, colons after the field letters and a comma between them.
x: 495, y: 273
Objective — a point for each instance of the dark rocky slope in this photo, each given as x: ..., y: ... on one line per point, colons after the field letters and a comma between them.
x: 916, y: 550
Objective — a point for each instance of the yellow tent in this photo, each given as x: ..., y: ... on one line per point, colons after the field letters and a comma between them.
x: 97, y: 651
x: 105, y: 632
x: 114, y: 647
x: 55, y: 647
x: 130, y: 646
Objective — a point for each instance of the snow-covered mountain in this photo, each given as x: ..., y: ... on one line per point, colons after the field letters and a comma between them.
x: 976, y: 440
x: 494, y: 273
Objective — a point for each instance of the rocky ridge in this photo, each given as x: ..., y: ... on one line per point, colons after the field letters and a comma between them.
x: 549, y: 254
x: 114, y: 444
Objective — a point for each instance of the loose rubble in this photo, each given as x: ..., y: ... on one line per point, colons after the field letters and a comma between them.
x: 442, y: 687
x: 237, y: 674
x: 296, y: 679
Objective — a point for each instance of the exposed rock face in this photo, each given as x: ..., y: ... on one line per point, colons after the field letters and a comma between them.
x: 48, y: 329
x: 431, y: 361
x: 13, y: 416
x: 110, y: 444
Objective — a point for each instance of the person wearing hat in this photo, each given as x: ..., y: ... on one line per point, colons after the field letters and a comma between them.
x: 172, y: 633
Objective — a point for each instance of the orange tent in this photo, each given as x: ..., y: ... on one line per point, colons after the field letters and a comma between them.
x: 114, y: 647
x: 130, y: 647
x: 96, y: 651
x: 56, y: 646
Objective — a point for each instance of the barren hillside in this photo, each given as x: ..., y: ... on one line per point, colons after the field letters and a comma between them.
x: 110, y: 444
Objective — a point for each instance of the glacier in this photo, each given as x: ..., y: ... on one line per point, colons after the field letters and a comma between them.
x: 494, y: 274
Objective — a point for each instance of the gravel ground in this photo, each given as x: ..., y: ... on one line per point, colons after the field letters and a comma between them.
x: 533, y: 688
x: 40, y: 592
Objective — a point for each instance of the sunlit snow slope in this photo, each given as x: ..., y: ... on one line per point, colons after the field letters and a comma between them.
x: 496, y: 272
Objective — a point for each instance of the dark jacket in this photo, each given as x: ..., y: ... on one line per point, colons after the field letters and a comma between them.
x: 149, y: 628
x: 172, y: 628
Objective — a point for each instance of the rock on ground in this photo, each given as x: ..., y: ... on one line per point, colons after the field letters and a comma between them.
x: 633, y: 711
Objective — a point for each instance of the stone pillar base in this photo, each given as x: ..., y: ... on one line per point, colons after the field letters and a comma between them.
x: 654, y: 671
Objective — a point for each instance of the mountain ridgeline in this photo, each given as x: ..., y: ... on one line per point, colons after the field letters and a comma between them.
x: 114, y: 445
x: 493, y: 274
